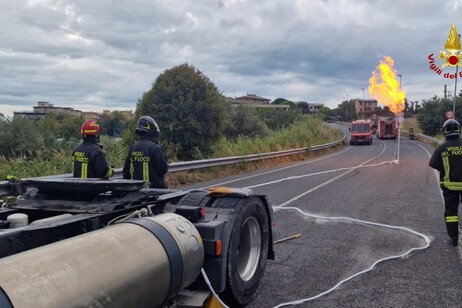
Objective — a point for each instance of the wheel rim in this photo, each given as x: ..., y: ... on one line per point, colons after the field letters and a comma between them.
x: 249, y: 249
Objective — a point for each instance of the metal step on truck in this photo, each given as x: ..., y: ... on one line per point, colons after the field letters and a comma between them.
x: 67, y: 242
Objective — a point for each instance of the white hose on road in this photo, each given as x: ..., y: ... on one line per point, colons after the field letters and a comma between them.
x: 423, y: 236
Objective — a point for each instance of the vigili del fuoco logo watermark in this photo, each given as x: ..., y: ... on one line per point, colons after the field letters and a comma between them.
x: 451, y: 56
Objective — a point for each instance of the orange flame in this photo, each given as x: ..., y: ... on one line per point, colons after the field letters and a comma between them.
x: 384, y: 87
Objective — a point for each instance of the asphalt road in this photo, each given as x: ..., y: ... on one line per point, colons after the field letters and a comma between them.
x: 389, y: 183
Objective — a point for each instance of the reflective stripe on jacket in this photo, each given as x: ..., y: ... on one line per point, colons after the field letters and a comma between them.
x: 90, y: 161
x: 146, y: 161
x: 447, y: 159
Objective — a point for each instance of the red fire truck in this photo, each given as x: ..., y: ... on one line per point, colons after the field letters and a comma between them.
x: 387, y: 128
x: 360, y: 132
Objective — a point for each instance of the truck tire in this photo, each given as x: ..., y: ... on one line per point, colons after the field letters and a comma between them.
x: 247, y: 253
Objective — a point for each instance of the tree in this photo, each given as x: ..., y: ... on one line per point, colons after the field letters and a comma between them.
x: 283, y: 101
x: 326, y: 113
x: 246, y: 122
x: 432, y: 115
x: 113, y: 124
x: 61, y: 125
x: 346, y: 111
x: 189, y: 109
x: 278, y: 119
x: 20, y: 137
x: 303, y: 106
x: 3, y: 118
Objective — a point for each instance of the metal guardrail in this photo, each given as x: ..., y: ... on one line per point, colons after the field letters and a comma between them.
x: 432, y: 139
x: 437, y: 141
x: 205, y: 163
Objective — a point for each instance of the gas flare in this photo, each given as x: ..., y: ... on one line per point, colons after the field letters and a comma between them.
x: 384, y: 87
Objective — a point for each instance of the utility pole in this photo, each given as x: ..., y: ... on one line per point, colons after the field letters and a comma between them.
x: 455, y: 90
x: 364, y: 104
x: 346, y: 106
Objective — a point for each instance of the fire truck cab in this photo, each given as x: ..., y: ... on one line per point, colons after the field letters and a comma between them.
x: 360, y: 132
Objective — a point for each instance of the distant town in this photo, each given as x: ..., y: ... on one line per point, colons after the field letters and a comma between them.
x: 44, y: 108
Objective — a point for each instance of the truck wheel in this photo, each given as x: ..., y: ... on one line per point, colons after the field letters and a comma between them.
x: 247, y: 253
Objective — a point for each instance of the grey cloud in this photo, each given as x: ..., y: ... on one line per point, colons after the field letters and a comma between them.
x: 107, y: 53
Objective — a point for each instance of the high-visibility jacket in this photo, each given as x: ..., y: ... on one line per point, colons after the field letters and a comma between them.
x: 90, y: 161
x: 146, y: 161
x: 447, y: 159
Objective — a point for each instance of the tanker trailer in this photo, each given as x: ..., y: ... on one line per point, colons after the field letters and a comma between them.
x: 112, y: 243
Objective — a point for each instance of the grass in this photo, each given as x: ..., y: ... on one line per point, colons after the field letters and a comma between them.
x: 412, y: 122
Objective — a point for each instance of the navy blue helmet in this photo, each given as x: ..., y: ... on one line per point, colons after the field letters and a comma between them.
x: 147, y: 125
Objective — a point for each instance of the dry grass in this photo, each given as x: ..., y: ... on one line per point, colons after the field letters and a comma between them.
x: 200, y: 175
x: 412, y: 122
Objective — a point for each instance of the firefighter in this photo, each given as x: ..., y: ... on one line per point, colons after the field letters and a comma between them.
x: 447, y: 159
x: 411, y: 133
x: 146, y: 159
x: 88, y: 158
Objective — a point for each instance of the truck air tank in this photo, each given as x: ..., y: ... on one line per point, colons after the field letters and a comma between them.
x: 138, y: 263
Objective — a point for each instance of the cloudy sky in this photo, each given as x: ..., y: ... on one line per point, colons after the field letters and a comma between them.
x: 96, y: 54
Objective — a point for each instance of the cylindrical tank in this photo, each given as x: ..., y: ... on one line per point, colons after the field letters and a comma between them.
x: 138, y: 263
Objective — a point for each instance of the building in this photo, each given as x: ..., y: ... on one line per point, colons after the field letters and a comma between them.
x: 45, y: 108
x: 309, y: 108
x: 91, y: 115
x: 313, y: 109
x: 365, y: 105
x: 252, y: 100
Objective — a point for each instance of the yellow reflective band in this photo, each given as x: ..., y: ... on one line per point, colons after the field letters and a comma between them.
x: 447, y: 168
x: 452, y: 185
x: 132, y: 170
x: 109, y: 173
x: 89, y: 131
x: 452, y: 218
x: 84, y: 171
x: 146, y: 172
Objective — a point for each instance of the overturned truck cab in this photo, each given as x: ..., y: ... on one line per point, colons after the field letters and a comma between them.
x: 68, y: 242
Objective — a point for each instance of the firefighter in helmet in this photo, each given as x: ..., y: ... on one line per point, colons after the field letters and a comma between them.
x: 447, y: 159
x: 88, y: 158
x: 146, y: 159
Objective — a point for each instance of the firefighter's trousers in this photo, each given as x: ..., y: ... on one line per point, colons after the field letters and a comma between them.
x: 451, y: 204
